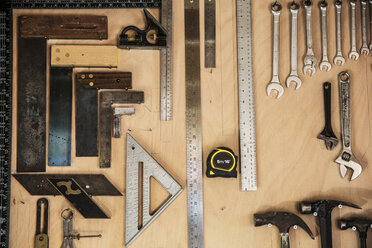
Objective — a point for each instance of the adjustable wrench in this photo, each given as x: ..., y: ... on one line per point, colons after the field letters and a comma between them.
x: 275, y: 83
x: 370, y: 24
x: 364, y: 50
x: 353, y: 54
x: 325, y: 62
x: 339, y: 58
x: 309, y: 59
x: 346, y: 158
x: 293, y: 76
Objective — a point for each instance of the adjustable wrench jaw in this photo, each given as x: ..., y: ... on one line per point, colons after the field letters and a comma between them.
x: 348, y: 160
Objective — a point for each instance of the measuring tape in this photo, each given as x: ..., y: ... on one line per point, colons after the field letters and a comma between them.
x: 246, y: 96
x: 6, y: 58
x: 193, y: 126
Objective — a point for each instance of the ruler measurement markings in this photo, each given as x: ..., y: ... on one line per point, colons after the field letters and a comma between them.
x: 210, y: 33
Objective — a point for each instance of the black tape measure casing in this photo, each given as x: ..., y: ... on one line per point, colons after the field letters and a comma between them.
x: 222, y: 162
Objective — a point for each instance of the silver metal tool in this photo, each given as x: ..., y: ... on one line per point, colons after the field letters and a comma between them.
x: 346, y: 158
x: 370, y: 24
x: 117, y: 113
x: 166, y: 64
x: 194, y: 146
x: 41, y: 237
x: 247, y: 135
x: 353, y: 54
x: 309, y: 59
x: 140, y: 162
x: 293, y: 76
x: 364, y: 50
x: 339, y: 58
x: 275, y: 83
x: 323, y: 12
x: 210, y: 33
x: 68, y: 232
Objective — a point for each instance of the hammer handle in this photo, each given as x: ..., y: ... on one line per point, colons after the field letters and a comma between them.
x: 284, y: 240
x: 363, y: 239
x: 325, y: 224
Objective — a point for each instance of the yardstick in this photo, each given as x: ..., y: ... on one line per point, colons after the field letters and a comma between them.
x: 246, y: 95
x: 193, y: 126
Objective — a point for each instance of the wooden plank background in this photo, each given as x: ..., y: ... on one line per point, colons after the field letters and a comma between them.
x: 293, y: 165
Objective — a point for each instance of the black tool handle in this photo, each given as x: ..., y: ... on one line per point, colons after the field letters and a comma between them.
x: 363, y: 239
x: 327, y: 104
x: 325, y: 225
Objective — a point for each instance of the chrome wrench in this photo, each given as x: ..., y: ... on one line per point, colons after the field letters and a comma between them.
x: 309, y: 59
x: 346, y: 159
x: 293, y: 76
x: 339, y: 58
x: 364, y: 50
x: 325, y: 62
x: 275, y: 83
x: 353, y: 54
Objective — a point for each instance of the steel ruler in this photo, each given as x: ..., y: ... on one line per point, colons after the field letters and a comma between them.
x: 210, y: 33
x: 166, y: 76
x: 193, y: 126
x: 6, y: 58
x: 246, y: 95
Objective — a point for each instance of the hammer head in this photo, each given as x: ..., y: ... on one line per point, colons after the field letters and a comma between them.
x: 323, y: 208
x: 282, y: 220
x: 357, y: 224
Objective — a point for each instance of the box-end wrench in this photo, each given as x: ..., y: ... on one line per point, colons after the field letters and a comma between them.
x: 370, y: 24
x: 323, y: 12
x: 293, y: 76
x: 339, y: 58
x: 353, y: 54
x: 309, y: 59
x: 346, y: 159
x: 364, y: 50
x: 275, y: 83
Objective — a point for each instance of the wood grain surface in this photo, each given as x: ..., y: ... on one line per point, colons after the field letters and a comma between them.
x: 293, y: 165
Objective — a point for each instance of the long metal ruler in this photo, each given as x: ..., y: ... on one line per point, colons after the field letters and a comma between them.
x: 166, y: 65
x: 193, y: 126
x: 210, y: 33
x: 6, y: 58
x: 246, y: 95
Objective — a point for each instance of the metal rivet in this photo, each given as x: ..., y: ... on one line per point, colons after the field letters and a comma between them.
x: 270, y: 225
x: 67, y: 55
x: 295, y: 227
x: 353, y: 228
x: 83, y: 76
x: 91, y: 84
x: 90, y: 75
x: 340, y: 206
x: 58, y: 59
x: 315, y: 214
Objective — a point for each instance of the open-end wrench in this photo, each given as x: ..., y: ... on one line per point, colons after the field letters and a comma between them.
x: 339, y: 58
x: 370, y: 24
x: 275, y: 83
x: 309, y: 59
x: 327, y: 134
x: 346, y: 159
x: 293, y: 76
x: 323, y: 12
x: 364, y: 50
x: 353, y: 54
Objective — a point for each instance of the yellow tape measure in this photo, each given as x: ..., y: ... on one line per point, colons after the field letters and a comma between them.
x: 222, y: 162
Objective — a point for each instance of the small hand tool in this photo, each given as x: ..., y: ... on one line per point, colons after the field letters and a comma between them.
x: 309, y: 59
x: 327, y: 134
x: 323, y: 12
x: 370, y: 24
x: 68, y: 232
x: 293, y: 76
x: 323, y: 210
x: 339, y: 58
x: 275, y: 83
x: 283, y: 221
x: 41, y: 236
x: 353, y: 54
x: 222, y: 162
x: 346, y: 159
x: 362, y: 225
x: 364, y: 50
x: 153, y: 36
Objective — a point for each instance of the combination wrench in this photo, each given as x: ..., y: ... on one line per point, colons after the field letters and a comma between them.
x: 353, y: 54
x: 339, y: 58
x: 293, y: 76
x: 275, y: 83
x: 323, y: 12
x: 346, y: 159
x: 364, y: 50
x: 309, y: 59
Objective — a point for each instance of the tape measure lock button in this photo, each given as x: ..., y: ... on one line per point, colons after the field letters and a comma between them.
x: 222, y: 162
